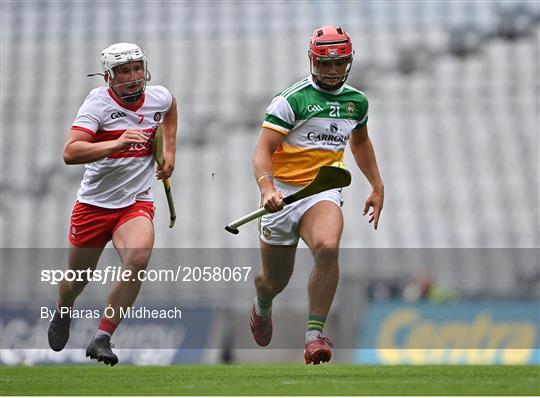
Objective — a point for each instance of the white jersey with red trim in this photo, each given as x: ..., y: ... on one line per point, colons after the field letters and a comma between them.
x: 126, y: 176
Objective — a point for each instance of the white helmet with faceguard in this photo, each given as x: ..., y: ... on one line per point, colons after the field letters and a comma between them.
x: 120, y: 54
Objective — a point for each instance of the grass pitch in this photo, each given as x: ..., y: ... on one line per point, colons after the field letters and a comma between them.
x: 270, y: 380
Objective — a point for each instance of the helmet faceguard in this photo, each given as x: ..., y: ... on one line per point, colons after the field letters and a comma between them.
x: 120, y: 54
x: 330, y: 43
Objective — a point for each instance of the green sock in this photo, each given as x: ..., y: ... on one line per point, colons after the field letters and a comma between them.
x: 263, y: 308
x: 316, y: 322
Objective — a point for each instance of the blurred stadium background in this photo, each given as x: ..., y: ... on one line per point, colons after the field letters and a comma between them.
x: 454, y: 89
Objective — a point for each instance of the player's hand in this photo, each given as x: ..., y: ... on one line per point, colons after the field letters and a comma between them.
x: 273, y: 201
x: 165, y: 172
x: 129, y: 137
x: 374, y: 202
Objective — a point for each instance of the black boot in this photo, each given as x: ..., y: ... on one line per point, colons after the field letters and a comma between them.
x: 100, y: 349
x: 58, y: 333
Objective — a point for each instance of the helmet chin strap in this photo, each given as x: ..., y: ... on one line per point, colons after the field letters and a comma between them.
x: 135, y: 96
x: 326, y: 86
x: 129, y: 97
x: 132, y: 97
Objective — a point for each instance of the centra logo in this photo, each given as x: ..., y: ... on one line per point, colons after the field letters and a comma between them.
x: 314, y: 108
x: 117, y: 115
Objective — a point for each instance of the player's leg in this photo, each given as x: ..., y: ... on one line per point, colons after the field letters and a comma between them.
x: 133, y: 239
x: 276, y: 271
x: 79, y: 258
x: 272, y: 278
x: 321, y: 227
x: 278, y: 237
x: 87, y: 236
x: 68, y: 291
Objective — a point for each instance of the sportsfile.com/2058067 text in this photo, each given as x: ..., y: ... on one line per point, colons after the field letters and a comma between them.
x: 177, y: 274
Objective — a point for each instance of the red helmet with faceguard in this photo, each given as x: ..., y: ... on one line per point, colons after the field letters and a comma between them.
x: 330, y: 43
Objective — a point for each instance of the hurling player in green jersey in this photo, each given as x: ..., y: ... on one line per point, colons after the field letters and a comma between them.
x: 305, y: 127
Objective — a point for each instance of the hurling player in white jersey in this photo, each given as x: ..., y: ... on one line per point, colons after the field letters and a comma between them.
x: 305, y: 127
x: 113, y: 135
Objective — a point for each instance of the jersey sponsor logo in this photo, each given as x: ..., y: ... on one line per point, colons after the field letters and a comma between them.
x: 135, y: 149
x: 331, y: 137
x: 118, y: 115
x: 314, y: 108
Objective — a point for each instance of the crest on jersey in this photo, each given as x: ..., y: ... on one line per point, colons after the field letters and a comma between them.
x: 351, y: 108
x: 157, y: 117
x: 266, y: 232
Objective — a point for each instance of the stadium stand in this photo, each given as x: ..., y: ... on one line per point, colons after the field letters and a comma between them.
x: 454, y: 91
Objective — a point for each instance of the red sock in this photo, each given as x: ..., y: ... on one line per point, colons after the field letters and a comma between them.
x: 107, y: 326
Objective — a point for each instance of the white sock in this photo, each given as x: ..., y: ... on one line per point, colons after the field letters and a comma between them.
x: 312, y: 335
x: 100, y: 333
x: 261, y: 310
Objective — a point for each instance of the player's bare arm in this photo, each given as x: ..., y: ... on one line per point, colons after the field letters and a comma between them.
x: 170, y: 126
x: 80, y: 149
x: 269, y: 141
x: 364, y: 155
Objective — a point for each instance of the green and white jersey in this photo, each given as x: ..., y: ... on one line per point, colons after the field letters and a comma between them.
x: 317, y: 123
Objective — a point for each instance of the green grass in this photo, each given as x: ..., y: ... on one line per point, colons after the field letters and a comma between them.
x: 270, y: 380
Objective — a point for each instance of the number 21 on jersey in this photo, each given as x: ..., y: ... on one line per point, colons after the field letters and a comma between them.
x: 334, y: 111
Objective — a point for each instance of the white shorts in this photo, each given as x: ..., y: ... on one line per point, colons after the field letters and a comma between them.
x: 282, y: 227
